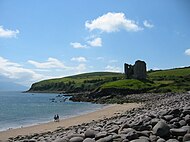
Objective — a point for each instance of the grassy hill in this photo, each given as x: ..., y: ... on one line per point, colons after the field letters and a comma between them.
x: 173, y: 80
x: 77, y: 83
x: 161, y: 81
x: 170, y: 72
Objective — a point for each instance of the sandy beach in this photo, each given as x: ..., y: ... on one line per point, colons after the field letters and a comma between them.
x: 106, y: 112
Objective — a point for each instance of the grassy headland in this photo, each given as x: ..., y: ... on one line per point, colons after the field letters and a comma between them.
x: 77, y: 83
x: 111, y: 87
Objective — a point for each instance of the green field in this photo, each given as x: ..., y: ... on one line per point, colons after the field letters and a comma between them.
x: 162, y: 81
x: 76, y: 83
x: 171, y: 72
x: 132, y: 84
x: 173, y: 80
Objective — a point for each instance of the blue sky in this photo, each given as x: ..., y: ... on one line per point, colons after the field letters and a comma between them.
x: 46, y: 39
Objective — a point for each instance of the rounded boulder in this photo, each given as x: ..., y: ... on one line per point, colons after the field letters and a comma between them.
x: 76, y: 139
x: 90, y: 133
x: 161, y: 129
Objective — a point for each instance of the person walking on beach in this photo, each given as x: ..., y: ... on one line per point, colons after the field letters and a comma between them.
x: 56, y: 118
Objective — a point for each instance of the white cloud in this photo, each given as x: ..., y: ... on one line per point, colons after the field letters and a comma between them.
x: 16, y: 71
x: 95, y: 42
x: 112, y: 22
x: 112, y: 69
x: 77, y: 45
x: 58, y: 66
x: 26, y: 76
x: 6, y: 33
x: 50, y: 63
x: 79, y: 59
x: 187, y: 52
x: 148, y: 24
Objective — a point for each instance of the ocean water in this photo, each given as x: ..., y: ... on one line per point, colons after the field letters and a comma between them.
x: 25, y: 109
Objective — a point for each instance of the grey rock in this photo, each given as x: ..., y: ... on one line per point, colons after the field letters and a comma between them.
x: 145, y: 133
x: 143, y: 127
x: 172, y: 140
x: 144, y: 137
x: 132, y: 135
x: 182, y: 123
x: 125, y: 140
x: 161, y: 129
x: 178, y: 132
x: 153, y: 138
x: 101, y: 135
x: 142, y: 133
x: 186, y: 137
x: 154, y: 121
x: 116, y: 138
x: 25, y: 140
x: 76, y: 139
x: 187, y: 119
x: 174, y: 120
x: 176, y: 125
x: 126, y: 130
x: 61, y: 140
x: 114, y: 129
x: 105, y: 139
x: 90, y: 133
x: 168, y: 117
x: 89, y: 140
x: 185, y: 112
x: 32, y: 140
x: 140, y: 140
x: 175, y: 112
x: 75, y: 135
x: 160, y: 140
x: 186, y: 128
x: 126, y: 125
x: 162, y: 112
x: 180, y: 138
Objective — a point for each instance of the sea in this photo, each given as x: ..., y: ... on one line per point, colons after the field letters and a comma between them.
x: 19, y: 109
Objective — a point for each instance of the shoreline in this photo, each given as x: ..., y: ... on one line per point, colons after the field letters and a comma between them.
x: 51, y: 119
x: 106, y: 112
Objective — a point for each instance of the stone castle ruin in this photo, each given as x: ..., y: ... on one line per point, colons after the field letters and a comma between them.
x: 137, y: 71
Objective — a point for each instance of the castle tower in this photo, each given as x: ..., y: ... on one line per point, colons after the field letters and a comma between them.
x: 128, y: 69
x: 140, y: 70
